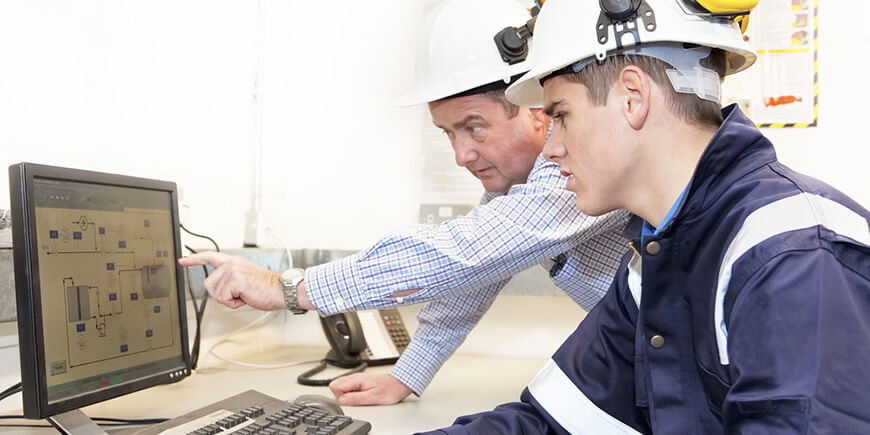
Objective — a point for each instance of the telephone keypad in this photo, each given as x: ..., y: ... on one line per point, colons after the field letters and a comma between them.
x: 396, y: 328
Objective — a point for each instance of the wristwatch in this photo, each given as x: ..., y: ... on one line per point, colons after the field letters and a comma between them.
x: 290, y: 278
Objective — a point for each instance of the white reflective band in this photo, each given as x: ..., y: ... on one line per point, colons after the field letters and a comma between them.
x: 552, y: 388
x: 804, y: 210
x: 635, y: 278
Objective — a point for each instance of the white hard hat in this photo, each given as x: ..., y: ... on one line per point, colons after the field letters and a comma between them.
x: 575, y: 33
x: 457, y: 52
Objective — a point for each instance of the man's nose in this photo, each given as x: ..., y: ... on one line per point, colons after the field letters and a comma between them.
x: 553, y: 148
x: 464, y: 151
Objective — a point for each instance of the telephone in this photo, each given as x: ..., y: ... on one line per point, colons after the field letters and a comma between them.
x: 358, y: 340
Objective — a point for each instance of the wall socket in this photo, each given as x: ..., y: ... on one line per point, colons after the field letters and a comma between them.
x: 437, y: 213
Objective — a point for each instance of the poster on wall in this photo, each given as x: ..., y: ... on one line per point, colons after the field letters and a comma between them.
x: 781, y: 90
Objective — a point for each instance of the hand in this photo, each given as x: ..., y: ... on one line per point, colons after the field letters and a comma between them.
x: 236, y: 282
x: 368, y: 389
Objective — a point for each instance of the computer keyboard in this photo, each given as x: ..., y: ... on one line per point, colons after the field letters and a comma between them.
x: 253, y: 412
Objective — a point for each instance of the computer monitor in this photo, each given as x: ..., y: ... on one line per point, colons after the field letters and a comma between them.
x: 101, y: 309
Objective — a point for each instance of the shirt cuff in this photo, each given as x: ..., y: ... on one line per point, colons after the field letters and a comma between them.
x: 417, y: 366
x: 334, y: 287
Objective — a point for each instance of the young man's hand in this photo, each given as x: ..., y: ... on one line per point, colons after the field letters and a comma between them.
x: 368, y: 389
x: 236, y: 281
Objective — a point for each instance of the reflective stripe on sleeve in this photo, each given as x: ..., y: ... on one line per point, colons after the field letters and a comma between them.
x: 801, y: 211
x: 552, y: 388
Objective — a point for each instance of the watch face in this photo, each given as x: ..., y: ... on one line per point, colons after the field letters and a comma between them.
x: 292, y: 275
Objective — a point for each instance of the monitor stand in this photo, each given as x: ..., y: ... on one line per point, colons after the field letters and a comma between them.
x: 75, y: 422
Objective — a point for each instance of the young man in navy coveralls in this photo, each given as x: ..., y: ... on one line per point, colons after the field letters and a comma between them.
x: 745, y: 306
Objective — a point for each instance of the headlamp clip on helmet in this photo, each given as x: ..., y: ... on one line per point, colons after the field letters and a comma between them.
x: 622, y: 16
x: 513, y: 42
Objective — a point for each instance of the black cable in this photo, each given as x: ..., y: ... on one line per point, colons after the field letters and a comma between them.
x: 199, y: 315
x: 103, y: 421
x: 109, y: 421
x: 10, y: 391
x: 305, y: 377
x: 25, y: 425
x: 194, y: 353
x: 201, y: 236
x: 199, y: 311
x: 190, y: 290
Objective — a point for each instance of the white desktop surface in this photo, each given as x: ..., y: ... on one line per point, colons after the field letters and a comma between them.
x: 498, y: 359
x: 466, y: 384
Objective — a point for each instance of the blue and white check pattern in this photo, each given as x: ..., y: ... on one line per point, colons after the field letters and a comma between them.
x: 460, y: 266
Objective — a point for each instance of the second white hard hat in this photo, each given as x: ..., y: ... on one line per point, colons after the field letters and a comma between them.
x: 572, y: 31
x: 457, y: 52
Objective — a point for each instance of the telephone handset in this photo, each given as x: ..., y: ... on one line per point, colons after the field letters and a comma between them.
x: 358, y: 340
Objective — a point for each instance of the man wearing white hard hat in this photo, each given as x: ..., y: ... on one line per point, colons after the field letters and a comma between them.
x: 525, y: 218
x: 743, y: 307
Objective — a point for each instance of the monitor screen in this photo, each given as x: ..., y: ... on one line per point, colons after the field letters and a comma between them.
x: 99, y: 291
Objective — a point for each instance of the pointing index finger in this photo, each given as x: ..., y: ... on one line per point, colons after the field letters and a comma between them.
x: 214, y: 259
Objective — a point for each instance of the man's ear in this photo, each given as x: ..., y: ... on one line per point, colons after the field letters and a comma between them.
x: 539, y: 118
x: 635, y: 90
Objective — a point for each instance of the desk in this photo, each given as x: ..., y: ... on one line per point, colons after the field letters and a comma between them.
x: 475, y: 379
x: 466, y: 384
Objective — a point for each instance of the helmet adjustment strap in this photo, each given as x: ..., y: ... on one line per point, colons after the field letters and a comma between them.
x: 622, y: 15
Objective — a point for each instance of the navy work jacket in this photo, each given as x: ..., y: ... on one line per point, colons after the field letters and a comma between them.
x: 748, y: 312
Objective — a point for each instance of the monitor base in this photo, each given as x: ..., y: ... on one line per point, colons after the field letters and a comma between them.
x: 75, y: 422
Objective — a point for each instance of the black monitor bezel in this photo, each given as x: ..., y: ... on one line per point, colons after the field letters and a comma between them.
x: 26, y: 266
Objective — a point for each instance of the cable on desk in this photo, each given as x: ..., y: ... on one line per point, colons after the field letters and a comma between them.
x: 22, y: 424
x: 10, y: 391
x: 101, y: 421
x: 229, y: 338
x: 200, y: 310
x: 110, y: 421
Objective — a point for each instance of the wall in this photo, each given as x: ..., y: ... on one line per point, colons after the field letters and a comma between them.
x: 837, y: 150
x: 164, y: 89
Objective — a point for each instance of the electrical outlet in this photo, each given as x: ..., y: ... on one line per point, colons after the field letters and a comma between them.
x: 437, y: 213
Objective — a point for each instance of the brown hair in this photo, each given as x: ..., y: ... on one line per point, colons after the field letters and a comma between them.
x: 599, y: 78
x: 498, y: 96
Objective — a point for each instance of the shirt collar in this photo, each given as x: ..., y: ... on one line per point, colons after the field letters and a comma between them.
x: 649, y: 230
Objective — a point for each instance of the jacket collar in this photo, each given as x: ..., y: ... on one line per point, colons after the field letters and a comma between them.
x: 737, y: 148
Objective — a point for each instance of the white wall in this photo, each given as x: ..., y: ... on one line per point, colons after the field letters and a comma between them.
x: 163, y: 89
x: 837, y: 151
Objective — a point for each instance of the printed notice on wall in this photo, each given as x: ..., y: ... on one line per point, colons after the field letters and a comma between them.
x: 781, y: 89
